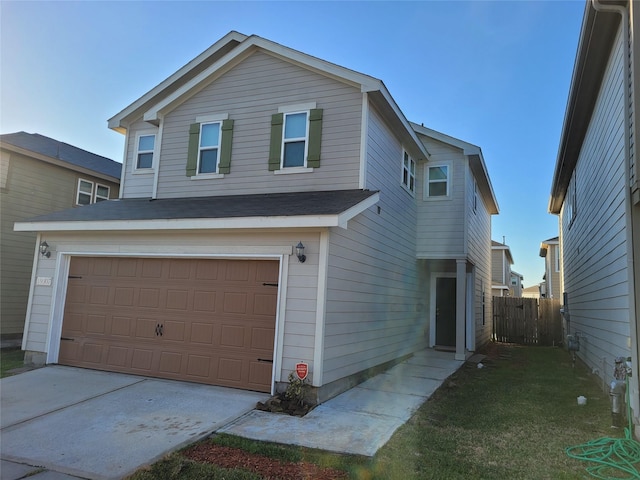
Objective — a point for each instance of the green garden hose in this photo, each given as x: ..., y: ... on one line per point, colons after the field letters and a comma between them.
x: 612, y: 456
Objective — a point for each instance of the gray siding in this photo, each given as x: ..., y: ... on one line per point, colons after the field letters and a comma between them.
x: 441, y: 222
x: 593, y: 246
x: 372, y: 282
x: 250, y: 93
x: 33, y: 188
x: 479, y: 254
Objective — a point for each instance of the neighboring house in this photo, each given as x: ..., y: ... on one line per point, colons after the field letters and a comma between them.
x: 550, y: 251
x: 531, y: 292
x: 501, y: 261
x: 245, y: 154
x: 40, y: 175
x: 515, y: 290
x: 595, y: 191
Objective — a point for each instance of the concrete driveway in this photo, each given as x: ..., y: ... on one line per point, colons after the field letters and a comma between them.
x: 104, y: 425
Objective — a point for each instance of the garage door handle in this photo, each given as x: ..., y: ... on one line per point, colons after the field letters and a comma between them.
x: 68, y: 339
x: 269, y: 284
x: 159, y: 329
x: 266, y: 360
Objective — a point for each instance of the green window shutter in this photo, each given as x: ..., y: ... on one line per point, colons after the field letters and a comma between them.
x: 225, y: 147
x: 315, y: 137
x: 275, y: 149
x: 192, y: 153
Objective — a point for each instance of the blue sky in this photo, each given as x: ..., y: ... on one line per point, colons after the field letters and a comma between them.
x: 492, y: 73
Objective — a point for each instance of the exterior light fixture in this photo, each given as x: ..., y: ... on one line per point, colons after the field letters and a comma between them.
x: 300, y: 252
x: 44, y: 249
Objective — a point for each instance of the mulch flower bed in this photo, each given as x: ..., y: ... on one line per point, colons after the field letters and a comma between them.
x: 268, y: 468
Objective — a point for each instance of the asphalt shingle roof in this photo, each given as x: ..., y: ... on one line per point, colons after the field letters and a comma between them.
x: 37, y: 143
x: 263, y: 205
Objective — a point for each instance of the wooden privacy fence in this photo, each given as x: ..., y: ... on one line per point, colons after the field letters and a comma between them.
x: 527, y: 321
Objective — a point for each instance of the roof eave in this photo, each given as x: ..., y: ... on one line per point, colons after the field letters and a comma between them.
x: 596, y: 38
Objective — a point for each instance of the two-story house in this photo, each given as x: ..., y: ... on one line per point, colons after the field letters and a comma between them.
x: 40, y: 175
x: 275, y: 208
x: 595, y: 192
x: 550, y: 251
x: 501, y: 261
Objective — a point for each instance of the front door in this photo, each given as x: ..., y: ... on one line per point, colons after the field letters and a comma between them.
x: 446, y: 311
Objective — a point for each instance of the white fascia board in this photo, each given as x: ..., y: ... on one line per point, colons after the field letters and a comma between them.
x: 405, y: 123
x: 302, y: 221
x: 467, y: 148
x: 364, y: 82
x: 115, y: 122
x: 347, y: 215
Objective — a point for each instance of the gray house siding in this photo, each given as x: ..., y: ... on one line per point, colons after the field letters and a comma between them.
x: 249, y: 94
x: 32, y: 187
x: 479, y: 254
x: 441, y: 222
x: 372, y: 282
x: 593, y: 243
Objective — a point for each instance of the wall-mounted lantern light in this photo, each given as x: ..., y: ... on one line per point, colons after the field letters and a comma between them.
x: 300, y: 252
x: 44, y: 249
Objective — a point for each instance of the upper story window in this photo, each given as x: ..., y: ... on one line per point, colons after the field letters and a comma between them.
x: 145, y: 146
x: 571, y: 201
x: 556, y: 249
x: 209, y: 148
x: 437, y: 181
x: 294, y: 142
x: 408, y: 172
x: 90, y: 192
x: 210, y: 142
x: 296, y: 132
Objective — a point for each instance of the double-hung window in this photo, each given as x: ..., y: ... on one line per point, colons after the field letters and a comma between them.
x: 145, y: 146
x: 296, y: 132
x: 437, y: 181
x: 295, y: 139
x: 90, y: 192
x: 409, y: 172
x: 209, y: 148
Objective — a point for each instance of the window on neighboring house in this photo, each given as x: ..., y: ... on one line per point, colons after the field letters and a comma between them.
x: 296, y: 133
x: 209, y: 151
x: 571, y: 201
x: 90, y: 192
x: 437, y: 181
x: 557, y: 257
x: 144, y: 151
x: 408, y: 172
x: 209, y: 147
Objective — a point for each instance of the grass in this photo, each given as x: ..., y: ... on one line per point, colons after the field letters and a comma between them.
x: 512, y: 419
x: 10, y: 358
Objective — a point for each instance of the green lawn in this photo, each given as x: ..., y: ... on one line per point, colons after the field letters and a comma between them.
x: 10, y: 358
x: 512, y: 419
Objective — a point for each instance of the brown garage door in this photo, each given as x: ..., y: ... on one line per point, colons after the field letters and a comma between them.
x: 207, y: 321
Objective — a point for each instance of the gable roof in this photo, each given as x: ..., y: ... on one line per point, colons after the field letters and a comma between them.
x: 476, y: 163
x: 53, y: 151
x: 232, y: 49
x: 301, y: 209
x: 597, y: 35
x: 545, y: 244
x: 501, y: 246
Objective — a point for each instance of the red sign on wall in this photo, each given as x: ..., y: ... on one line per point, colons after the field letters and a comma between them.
x: 302, y: 370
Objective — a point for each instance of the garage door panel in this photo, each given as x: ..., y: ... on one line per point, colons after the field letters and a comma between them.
x: 207, y: 321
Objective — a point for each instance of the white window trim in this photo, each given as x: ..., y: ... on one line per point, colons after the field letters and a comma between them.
x: 136, y: 152
x: 217, y: 147
x: 78, y: 192
x: 556, y: 249
x: 96, y: 196
x: 291, y: 110
x: 425, y: 194
x: 407, y: 187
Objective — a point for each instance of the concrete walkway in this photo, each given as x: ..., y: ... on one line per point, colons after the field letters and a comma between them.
x: 78, y: 423
x: 361, y: 420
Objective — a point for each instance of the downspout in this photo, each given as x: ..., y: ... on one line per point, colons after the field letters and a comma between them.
x: 633, y: 321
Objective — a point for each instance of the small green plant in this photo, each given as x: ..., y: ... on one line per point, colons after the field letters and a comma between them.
x: 296, y: 390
